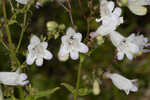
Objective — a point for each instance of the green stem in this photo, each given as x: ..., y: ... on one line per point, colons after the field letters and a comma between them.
x: 21, y: 93
x: 78, y: 77
x: 23, y: 27
x: 4, y: 44
x: 2, y: 41
x: 13, y: 56
x: 20, y: 39
x: 88, y: 31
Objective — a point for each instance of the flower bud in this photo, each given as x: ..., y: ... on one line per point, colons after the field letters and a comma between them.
x: 99, y: 40
x: 123, y: 2
x: 62, y: 27
x: 96, y: 88
x: 51, y: 25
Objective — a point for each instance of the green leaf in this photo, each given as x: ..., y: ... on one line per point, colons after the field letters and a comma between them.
x: 45, y: 93
x: 12, y: 22
x: 68, y: 87
x: 84, y: 91
x: 30, y: 98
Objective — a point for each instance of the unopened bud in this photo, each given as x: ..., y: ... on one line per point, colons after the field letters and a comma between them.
x: 123, y: 2
x: 51, y: 25
x: 62, y: 27
x: 96, y: 88
x: 99, y: 40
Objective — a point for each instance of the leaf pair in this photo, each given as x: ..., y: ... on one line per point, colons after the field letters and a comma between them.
x: 81, y: 92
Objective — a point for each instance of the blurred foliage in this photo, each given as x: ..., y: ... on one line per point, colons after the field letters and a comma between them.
x: 55, y: 73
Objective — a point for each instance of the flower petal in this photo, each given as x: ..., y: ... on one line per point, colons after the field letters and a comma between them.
x: 78, y: 36
x: 134, y: 48
x: 83, y: 48
x: 63, y: 54
x: 30, y: 59
x: 44, y: 44
x: 64, y: 57
x: 34, y: 40
x: 138, y: 10
x: 39, y: 61
x: 120, y: 55
x: 134, y: 88
x: 64, y: 39
x: 116, y: 38
x: 23, y: 76
x: 24, y: 2
x: 24, y: 83
x: 74, y: 55
x: 104, y: 30
x: 129, y: 56
x: 70, y: 30
x: 111, y: 6
x: 47, y: 55
x: 117, y: 11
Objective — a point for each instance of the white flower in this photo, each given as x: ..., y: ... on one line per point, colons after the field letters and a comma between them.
x: 110, y: 17
x: 37, y: 51
x: 71, y: 44
x: 38, y: 5
x: 137, y: 6
x: 122, y: 83
x: 13, y: 78
x: 124, y: 46
x: 139, y: 40
x: 24, y: 2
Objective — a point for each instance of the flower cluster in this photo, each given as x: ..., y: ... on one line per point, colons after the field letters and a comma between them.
x: 111, y: 19
x: 129, y: 46
x: 72, y: 45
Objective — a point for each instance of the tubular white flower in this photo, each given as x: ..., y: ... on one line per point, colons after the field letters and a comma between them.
x: 137, y: 6
x: 24, y: 2
x: 139, y: 40
x: 71, y: 44
x: 124, y: 46
x: 13, y: 78
x: 110, y: 17
x: 122, y: 83
x: 37, y: 51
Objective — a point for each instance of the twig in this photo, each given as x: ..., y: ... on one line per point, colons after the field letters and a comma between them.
x: 82, y: 10
x: 70, y: 13
x: 22, y: 32
x: 63, y: 6
x: 69, y: 10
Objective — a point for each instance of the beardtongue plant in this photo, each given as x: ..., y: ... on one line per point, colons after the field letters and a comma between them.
x: 78, y: 38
